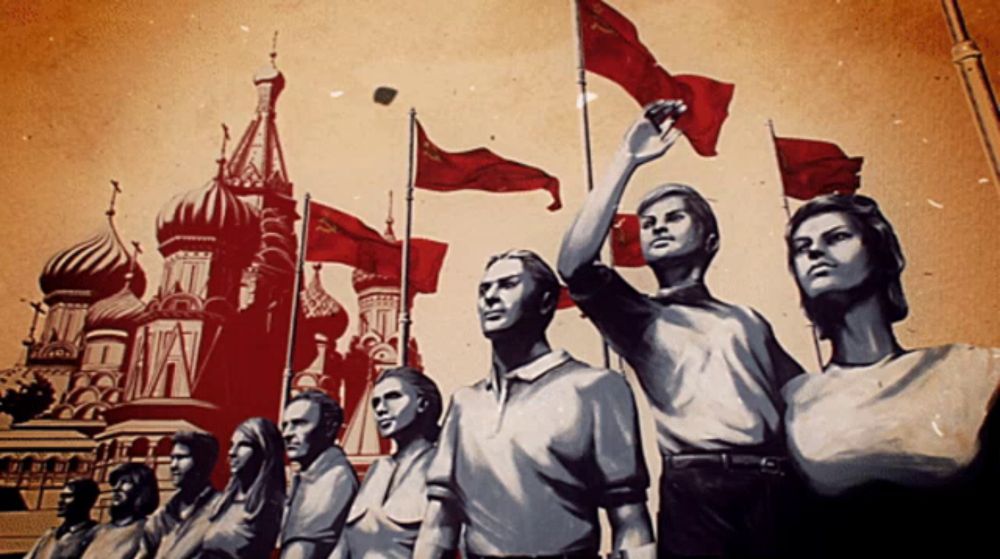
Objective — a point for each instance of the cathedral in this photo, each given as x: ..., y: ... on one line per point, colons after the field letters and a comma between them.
x: 130, y: 363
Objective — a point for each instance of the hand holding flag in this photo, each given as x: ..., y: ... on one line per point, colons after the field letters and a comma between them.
x: 611, y: 48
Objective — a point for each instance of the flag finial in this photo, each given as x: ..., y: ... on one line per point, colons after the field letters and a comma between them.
x: 115, y: 191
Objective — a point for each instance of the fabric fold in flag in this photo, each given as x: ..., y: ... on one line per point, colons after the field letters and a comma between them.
x: 335, y: 236
x: 810, y: 168
x: 477, y: 169
x: 611, y: 48
x: 626, y: 251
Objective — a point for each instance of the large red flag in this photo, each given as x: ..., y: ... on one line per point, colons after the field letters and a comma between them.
x: 611, y: 48
x: 477, y: 169
x: 335, y: 236
x: 626, y: 251
x: 810, y: 168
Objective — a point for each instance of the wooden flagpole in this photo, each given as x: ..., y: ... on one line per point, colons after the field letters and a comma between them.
x: 788, y: 213
x: 293, y: 321
x: 589, y: 165
x: 404, y: 316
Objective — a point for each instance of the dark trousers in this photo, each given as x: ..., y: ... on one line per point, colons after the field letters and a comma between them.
x: 724, y: 512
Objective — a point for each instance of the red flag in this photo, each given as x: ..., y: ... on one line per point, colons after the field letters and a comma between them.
x: 335, y: 236
x: 426, y: 260
x: 565, y: 301
x: 477, y: 169
x: 611, y: 48
x: 626, y: 251
x: 810, y: 168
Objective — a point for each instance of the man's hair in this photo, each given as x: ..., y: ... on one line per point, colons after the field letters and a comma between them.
x: 331, y: 415
x: 148, y: 496
x: 204, y: 449
x: 539, y: 271
x: 427, y: 389
x: 879, y: 240
x: 698, y: 207
x: 85, y: 492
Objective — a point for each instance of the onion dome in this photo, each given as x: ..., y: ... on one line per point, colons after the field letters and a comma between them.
x: 362, y: 280
x: 208, y: 212
x: 322, y: 310
x: 120, y: 311
x: 95, y: 267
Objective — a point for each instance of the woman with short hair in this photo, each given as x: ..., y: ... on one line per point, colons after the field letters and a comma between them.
x: 385, y: 518
x: 897, y: 444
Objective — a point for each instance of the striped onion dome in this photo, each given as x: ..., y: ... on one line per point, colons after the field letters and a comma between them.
x: 120, y: 311
x: 322, y: 310
x: 98, y: 266
x: 211, y: 211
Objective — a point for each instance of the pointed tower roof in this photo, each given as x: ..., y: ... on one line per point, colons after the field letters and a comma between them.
x: 258, y: 164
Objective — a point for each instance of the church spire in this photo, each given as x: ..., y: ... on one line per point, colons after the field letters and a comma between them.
x: 257, y: 165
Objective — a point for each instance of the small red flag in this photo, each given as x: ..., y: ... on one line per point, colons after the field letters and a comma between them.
x: 626, y: 251
x: 611, y: 48
x: 477, y: 169
x: 426, y: 260
x: 810, y: 168
x: 565, y: 301
x: 335, y: 236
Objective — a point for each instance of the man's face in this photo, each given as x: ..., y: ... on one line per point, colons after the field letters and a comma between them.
x: 304, y: 435
x: 829, y: 255
x: 668, y: 230
x: 506, y: 297
x: 67, y: 500
x: 183, y: 470
x: 124, y: 494
x: 396, y: 405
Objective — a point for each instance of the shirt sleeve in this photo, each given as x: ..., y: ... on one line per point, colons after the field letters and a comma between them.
x: 441, y: 472
x: 781, y: 366
x: 620, y: 465
x: 319, y: 517
x: 620, y: 312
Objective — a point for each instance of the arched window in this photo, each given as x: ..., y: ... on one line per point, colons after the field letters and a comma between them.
x: 74, y: 465
x: 27, y: 464
x: 163, y: 447
x: 51, y: 465
x: 113, y: 451
x: 100, y: 452
x: 139, y: 448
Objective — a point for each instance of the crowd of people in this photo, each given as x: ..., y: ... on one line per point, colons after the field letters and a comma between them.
x: 887, y: 450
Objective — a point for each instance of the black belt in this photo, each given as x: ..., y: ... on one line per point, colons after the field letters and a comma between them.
x: 776, y: 465
x: 570, y: 555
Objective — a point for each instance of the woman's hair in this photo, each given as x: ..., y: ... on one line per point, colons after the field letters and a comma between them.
x: 268, y: 485
x: 879, y: 240
x: 427, y: 420
x: 143, y: 478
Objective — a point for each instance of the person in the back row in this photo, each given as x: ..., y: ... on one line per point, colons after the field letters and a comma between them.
x: 712, y: 371
x: 528, y: 455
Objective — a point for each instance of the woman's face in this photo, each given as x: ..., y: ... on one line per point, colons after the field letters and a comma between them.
x: 397, y: 406
x: 829, y: 255
x: 241, y: 452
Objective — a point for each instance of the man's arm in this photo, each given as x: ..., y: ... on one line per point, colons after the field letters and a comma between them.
x: 439, y: 531
x: 648, y: 138
x: 631, y: 531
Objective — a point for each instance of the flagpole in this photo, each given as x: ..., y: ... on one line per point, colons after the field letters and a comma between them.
x: 968, y: 60
x: 404, y: 317
x: 581, y: 80
x: 788, y: 213
x: 286, y: 381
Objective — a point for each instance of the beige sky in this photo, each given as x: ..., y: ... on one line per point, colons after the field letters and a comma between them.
x: 136, y: 91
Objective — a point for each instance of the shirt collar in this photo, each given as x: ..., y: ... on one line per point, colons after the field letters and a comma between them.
x: 326, y: 460
x: 532, y: 370
x: 685, y: 294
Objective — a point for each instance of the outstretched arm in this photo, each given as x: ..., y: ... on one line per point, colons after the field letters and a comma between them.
x: 648, y: 138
